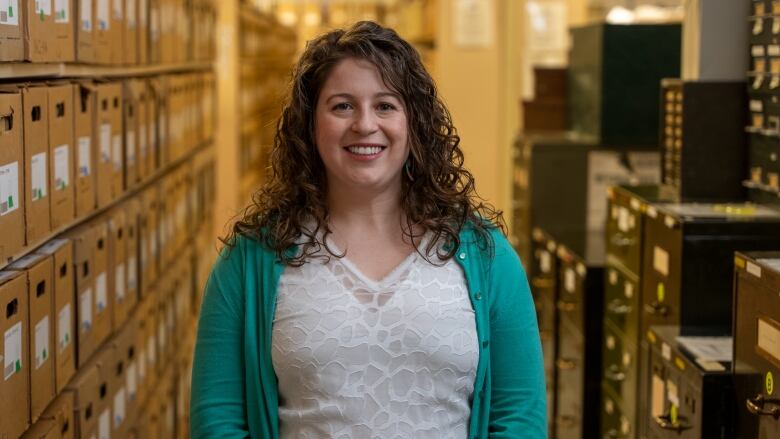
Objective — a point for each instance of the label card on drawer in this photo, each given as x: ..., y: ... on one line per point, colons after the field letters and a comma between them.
x: 623, y: 219
x: 657, y: 397
x: 544, y: 261
x: 666, y: 352
x: 569, y: 280
x: 768, y: 340
x: 661, y: 260
x: 671, y: 393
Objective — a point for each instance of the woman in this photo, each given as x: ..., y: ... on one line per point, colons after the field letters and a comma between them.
x: 367, y: 292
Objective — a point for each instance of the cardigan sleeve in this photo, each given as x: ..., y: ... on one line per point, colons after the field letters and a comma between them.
x: 518, y: 407
x: 218, y: 400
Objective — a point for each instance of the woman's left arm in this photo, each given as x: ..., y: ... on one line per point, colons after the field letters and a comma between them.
x: 518, y: 407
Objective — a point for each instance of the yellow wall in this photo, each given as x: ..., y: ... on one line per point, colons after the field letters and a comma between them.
x: 481, y: 87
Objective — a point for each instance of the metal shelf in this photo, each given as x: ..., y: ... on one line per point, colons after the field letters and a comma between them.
x: 133, y: 191
x: 22, y: 71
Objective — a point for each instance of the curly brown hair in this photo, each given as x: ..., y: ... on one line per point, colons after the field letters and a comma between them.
x: 438, y: 193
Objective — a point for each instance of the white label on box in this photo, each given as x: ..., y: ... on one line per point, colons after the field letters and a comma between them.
x: 12, y: 350
x: 130, y: 148
x: 132, y: 277
x: 117, y: 8
x: 9, y: 188
x: 131, y: 381
x: 64, y: 319
x: 151, y: 350
x: 85, y: 310
x: 103, y: 20
x: 661, y: 260
x: 42, y: 7
x: 768, y: 339
x: 753, y: 269
x: 104, y: 425
x: 116, y: 142
x: 101, y: 292
x: 569, y: 280
x: 42, y: 351
x: 86, y: 15
x: 38, y: 176
x: 130, y: 15
x: 119, y: 284
x: 61, y: 167
x: 666, y: 352
x: 119, y: 407
x: 62, y: 11
x: 142, y: 140
x: 85, y: 156
x: 105, y: 143
x: 9, y: 12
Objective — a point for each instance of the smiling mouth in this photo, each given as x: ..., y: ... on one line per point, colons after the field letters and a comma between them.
x: 365, y: 149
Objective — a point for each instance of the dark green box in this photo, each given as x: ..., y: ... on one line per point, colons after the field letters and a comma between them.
x: 615, y: 74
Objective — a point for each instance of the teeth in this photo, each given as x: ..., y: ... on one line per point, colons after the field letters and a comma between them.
x: 365, y: 150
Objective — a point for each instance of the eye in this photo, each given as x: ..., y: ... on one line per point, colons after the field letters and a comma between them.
x: 384, y: 106
x: 342, y: 106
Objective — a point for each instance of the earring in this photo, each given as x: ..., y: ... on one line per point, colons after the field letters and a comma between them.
x: 409, y: 169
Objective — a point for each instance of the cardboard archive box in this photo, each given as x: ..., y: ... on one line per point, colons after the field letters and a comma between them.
x: 85, y: 31
x: 14, y: 387
x: 104, y: 290
x: 130, y: 127
x: 38, y: 272
x: 146, y: 320
x: 11, y: 173
x: 124, y: 382
x: 62, y: 154
x: 83, y: 240
x: 49, y: 31
x: 85, y: 388
x: 36, y: 149
x: 132, y: 209
x: 11, y: 33
x: 143, y: 32
x: 64, y: 314
x: 109, y: 132
x: 57, y: 422
x: 85, y: 102
x: 149, y: 237
x: 151, y: 129
x: 117, y: 271
x: 130, y: 48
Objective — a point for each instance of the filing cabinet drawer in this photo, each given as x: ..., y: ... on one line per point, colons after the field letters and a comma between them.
x: 570, y: 386
x: 756, y: 358
x: 620, y: 368
x: 764, y: 162
x: 614, y: 422
x: 621, y: 302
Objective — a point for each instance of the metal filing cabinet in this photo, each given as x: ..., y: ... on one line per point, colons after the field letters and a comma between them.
x: 565, y: 181
x: 544, y: 285
x: 692, y: 393
x: 703, y: 119
x: 756, y: 348
x: 622, y: 305
x: 688, y: 254
x: 614, y: 72
x: 578, y: 366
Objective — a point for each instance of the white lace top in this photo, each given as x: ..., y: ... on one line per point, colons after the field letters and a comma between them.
x: 357, y: 358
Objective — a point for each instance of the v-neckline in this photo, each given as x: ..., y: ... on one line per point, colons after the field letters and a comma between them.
x: 387, y: 279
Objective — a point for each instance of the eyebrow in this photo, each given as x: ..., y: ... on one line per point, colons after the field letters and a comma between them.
x: 378, y: 95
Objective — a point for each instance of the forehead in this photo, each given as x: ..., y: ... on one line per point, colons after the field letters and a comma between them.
x: 356, y: 77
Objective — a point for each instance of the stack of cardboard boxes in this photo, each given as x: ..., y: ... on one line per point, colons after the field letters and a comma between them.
x: 107, y: 32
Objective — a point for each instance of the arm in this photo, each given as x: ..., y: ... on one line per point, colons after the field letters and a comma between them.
x: 518, y: 406
x: 218, y: 402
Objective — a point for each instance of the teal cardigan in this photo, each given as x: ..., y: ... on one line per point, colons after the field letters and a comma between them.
x: 234, y: 386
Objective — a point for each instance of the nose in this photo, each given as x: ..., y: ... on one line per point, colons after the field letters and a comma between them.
x: 364, y: 122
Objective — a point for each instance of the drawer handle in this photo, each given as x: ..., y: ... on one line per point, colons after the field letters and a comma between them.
x: 665, y: 422
x: 613, y: 373
x: 566, y: 306
x: 564, y: 364
x: 622, y: 241
x: 756, y: 406
x: 617, y: 307
x: 656, y: 309
x: 537, y: 282
x: 612, y: 434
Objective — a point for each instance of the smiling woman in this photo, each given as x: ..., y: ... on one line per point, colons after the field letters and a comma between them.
x: 367, y: 292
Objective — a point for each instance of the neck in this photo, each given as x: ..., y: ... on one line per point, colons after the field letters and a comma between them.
x: 363, y: 210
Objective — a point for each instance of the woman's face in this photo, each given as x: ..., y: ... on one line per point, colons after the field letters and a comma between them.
x: 360, y: 129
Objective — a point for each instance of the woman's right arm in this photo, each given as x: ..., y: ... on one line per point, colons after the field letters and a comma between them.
x: 218, y: 400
